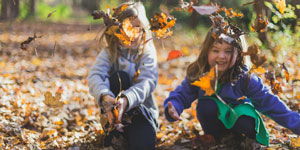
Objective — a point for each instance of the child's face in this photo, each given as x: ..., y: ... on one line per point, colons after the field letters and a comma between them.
x: 221, y: 54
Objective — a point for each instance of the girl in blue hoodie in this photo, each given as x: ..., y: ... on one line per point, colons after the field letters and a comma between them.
x: 127, y: 68
x: 244, y: 94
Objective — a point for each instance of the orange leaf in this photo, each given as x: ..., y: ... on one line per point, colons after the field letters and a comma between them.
x: 136, y: 75
x: 241, y: 98
x: 124, y: 7
x: 295, y: 142
x: 174, y: 54
x: 112, y: 30
x: 90, y: 111
x: 205, y: 82
x: 116, y: 114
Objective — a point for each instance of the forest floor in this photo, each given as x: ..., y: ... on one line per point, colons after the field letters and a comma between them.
x: 59, y: 62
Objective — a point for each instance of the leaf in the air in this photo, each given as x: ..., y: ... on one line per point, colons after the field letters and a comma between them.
x: 281, y: 5
x: 205, y: 82
x: 206, y: 9
x: 174, y: 54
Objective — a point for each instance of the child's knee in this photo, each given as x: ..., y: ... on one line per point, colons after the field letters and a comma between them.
x: 207, y: 107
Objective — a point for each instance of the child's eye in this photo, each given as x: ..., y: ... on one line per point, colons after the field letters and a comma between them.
x: 228, y: 52
x: 215, y: 50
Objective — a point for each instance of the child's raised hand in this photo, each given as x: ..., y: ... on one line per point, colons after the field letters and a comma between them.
x: 173, y: 112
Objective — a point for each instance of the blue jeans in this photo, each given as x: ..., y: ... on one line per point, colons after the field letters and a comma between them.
x: 207, y: 114
x: 139, y: 134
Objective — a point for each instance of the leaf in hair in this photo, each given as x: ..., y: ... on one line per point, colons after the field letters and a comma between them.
x: 112, y: 30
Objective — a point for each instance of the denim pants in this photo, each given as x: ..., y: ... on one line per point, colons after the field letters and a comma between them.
x: 139, y: 134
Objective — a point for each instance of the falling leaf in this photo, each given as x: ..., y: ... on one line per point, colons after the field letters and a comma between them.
x: 256, y: 59
x: 205, y: 82
x: 112, y: 30
x: 206, y: 9
x: 136, y: 75
x: 174, y: 54
x: 161, y: 24
x: 230, y: 12
x: 260, y: 24
x: 281, y: 5
x: 286, y: 72
x: 50, y: 14
x: 186, y: 51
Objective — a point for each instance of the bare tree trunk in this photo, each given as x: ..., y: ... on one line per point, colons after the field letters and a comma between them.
x: 297, y: 12
x: 154, y: 5
x: 14, y: 7
x: 3, y: 9
x: 90, y: 5
x: 194, y: 21
x: 32, y: 7
x: 260, y: 10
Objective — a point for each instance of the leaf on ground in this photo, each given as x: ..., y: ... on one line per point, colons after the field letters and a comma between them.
x: 52, y: 101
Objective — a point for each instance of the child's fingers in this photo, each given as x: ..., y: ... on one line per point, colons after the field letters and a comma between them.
x: 172, y: 111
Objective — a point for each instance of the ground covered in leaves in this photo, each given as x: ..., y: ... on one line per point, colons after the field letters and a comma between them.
x: 58, y: 63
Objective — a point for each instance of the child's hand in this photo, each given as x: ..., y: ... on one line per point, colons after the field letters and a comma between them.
x: 123, y: 101
x: 173, y: 112
x: 108, y: 100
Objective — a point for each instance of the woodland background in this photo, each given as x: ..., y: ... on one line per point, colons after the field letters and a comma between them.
x: 65, y: 47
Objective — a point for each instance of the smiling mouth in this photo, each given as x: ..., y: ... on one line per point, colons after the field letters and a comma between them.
x: 221, y: 63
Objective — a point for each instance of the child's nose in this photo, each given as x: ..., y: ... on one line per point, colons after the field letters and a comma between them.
x: 221, y: 55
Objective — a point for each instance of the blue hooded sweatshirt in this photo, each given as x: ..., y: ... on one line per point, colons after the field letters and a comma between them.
x: 261, y: 98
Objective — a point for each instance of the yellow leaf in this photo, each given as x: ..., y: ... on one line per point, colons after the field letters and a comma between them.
x: 37, y: 62
x: 281, y: 5
x: 53, y: 101
x: 186, y: 51
x: 112, y: 30
x: 90, y: 111
x: 59, y: 122
x: 295, y: 142
x: 205, y: 82
x: 136, y: 75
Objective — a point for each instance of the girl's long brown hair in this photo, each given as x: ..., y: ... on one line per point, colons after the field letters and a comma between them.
x: 201, y: 66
